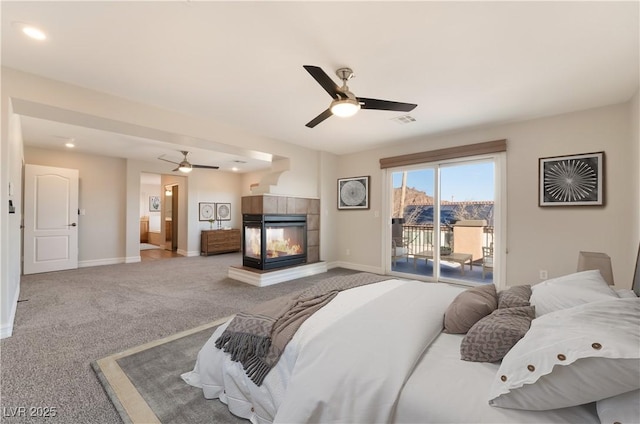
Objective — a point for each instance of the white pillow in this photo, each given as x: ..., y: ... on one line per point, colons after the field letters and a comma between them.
x: 624, y: 408
x: 571, y: 357
x: 570, y: 290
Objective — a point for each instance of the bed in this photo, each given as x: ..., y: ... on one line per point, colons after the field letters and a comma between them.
x: 563, y: 351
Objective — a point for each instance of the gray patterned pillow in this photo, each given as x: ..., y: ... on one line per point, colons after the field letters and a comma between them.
x: 494, y: 335
x: 514, y: 296
x: 468, y: 307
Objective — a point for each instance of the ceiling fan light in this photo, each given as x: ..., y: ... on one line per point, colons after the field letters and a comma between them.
x: 185, y: 167
x: 345, y: 107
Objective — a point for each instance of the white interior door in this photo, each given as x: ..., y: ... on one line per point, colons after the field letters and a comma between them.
x: 50, y: 219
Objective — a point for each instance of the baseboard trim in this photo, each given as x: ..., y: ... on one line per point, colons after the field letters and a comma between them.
x: 99, y: 262
x: 6, y: 330
x: 132, y: 259
x: 358, y: 267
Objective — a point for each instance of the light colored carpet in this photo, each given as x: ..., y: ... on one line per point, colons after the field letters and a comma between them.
x: 68, y: 319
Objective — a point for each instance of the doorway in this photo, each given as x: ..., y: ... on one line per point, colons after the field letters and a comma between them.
x: 171, y: 218
x: 159, y: 229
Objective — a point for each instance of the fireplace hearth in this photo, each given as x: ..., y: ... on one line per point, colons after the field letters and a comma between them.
x: 274, y: 241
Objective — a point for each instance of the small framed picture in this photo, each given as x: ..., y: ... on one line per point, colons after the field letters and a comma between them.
x: 353, y: 193
x: 154, y: 203
x: 574, y: 180
x: 207, y: 211
x: 223, y: 211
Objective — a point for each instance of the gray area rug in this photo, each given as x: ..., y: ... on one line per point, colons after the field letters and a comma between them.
x: 155, y: 374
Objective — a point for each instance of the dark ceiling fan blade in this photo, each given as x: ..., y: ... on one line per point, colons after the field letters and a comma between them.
x: 366, y: 103
x: 205, y: 166
x: 325, y: 81
x: 170, y: 161
x: 315, y: 121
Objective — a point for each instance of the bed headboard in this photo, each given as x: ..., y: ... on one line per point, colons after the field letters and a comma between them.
x: 636, y: 276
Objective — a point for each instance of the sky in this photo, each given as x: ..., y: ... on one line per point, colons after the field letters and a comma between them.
x: 466, y: 182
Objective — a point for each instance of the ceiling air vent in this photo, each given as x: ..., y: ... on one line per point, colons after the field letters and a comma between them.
x: 404, y: 119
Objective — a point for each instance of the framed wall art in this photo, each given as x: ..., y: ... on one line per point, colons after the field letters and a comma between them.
x: 207, y: 211
x: 154, y: 203
x: 574, y: 180
x: 353, y: 193
x: 223, y: 211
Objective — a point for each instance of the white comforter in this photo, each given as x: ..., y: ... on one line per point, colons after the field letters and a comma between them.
x: 374, y: 354
x: 336, y: 369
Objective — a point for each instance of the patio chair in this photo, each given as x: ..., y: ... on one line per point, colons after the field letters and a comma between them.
x: 399, y: 249
x: 487, y: 260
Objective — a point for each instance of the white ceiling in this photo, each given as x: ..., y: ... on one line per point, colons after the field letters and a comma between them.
x: 465, y: 64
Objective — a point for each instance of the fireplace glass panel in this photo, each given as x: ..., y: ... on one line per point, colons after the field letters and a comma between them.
x: 252, y: 242
x: 274, y: 241
x: 284, y: 241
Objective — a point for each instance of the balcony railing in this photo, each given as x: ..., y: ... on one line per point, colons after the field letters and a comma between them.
x: 418, y: 238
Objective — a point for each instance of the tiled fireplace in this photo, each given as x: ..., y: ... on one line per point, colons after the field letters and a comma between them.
x: 274, y: 241
x: 281, y: 239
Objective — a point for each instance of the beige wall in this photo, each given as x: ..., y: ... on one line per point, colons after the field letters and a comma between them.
x: 101, y: 235
x: 634, y: 114
x: 537, y: 238
x: 11, y: 160
x: 216, y: 187
x: 327, y: 177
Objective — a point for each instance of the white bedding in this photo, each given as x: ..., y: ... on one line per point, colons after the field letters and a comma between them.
x: 355, y: 370
x: 465, y: 399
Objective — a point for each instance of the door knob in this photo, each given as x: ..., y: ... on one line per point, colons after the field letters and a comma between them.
x: 72, y: 225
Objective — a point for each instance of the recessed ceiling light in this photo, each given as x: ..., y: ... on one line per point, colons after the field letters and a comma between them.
x: 234, y: 169
x: 31, y: 31
x: 70, y: 145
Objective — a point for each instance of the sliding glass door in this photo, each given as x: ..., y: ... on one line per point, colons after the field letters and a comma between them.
x: 443, y: 221
x: 412, y: 220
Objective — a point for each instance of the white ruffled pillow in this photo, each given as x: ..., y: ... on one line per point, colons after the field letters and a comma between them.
x: 624, y: 408
x: 570, y: 290
x: 572, y: 357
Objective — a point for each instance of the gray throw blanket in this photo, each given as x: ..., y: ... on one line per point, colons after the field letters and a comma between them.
x: 257, y: 338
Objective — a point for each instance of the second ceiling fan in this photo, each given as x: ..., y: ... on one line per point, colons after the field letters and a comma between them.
x: 345, y: 103
x: 185, y: 165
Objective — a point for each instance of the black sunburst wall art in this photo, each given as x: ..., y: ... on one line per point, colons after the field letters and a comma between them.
x: 576, y: 180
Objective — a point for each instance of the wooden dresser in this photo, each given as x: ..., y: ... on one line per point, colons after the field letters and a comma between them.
x: 219, y: 241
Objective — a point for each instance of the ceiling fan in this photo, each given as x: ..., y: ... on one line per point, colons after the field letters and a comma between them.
x: 345, y: 103
x: 185, y: 166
